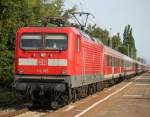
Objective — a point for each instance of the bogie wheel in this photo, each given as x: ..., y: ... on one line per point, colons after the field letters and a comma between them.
x: 74, y: 95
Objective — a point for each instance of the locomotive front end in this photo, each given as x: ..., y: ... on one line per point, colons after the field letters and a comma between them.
x: 42, y: 65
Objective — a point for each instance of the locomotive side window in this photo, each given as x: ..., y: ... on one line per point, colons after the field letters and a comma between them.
x: 78, y: 43
x: 29, y: 41
x: 56, y: 42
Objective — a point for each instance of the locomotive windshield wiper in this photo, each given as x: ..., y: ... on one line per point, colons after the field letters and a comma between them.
x: 26, y: 48
x: 55, y: 49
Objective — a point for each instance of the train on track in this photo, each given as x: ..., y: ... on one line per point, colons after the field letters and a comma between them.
x: 58, y: 65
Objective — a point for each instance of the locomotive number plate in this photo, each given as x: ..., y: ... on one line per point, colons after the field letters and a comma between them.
x: 42, y: 71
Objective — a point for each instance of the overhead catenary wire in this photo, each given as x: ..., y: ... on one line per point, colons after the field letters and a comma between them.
x: 83, y: 7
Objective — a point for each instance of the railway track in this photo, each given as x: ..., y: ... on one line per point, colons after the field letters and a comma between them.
x: 7, y: 104
x: 24, y: 111
x: 14, y: 113
x: 36, y: 113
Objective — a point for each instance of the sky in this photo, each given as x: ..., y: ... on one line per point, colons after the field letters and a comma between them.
x: 114, y: 15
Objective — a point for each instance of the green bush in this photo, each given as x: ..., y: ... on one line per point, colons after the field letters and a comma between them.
x: 6, y: 67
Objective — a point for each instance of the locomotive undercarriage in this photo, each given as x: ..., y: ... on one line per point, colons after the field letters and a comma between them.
x: 56, y: 94
x: 43, y: 94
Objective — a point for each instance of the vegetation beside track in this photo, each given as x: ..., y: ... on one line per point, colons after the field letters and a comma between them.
x: 8, y: 98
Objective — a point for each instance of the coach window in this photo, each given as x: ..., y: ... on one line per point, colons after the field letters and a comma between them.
x: 78, y: 43
x: 114, y: 61
x: 122, y: 63
x: 105, y: 58
x: 108, y: 60
x: 118, y: 62
x: 126, y: 63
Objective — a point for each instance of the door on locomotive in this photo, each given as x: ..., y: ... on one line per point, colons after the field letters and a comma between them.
x: 80, y: 58
x: 83, y: 64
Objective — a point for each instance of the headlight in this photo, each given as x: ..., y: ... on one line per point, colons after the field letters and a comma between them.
x: 43, y: 55
x: 21, y: 71
x: 64, y: 72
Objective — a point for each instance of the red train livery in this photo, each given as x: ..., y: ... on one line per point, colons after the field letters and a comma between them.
x: 58, y: 65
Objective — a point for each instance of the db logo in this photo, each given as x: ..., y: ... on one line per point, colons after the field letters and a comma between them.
x: 42, y: 62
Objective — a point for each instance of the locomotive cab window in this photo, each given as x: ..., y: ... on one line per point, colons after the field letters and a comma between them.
x: 56, y: 42
x: 30, y: 41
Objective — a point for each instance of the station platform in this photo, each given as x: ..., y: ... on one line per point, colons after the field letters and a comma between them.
x: 130, y: 98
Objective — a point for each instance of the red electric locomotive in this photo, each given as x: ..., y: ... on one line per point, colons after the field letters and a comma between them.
x: 56, y: 65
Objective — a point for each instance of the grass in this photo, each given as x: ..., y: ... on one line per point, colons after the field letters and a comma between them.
x: 6, y: 95
x: 8, y: 98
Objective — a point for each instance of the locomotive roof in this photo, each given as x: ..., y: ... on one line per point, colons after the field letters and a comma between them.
x: 37, y: 29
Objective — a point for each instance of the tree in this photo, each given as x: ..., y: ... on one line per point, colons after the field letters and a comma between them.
x: 128, y: 47
x: 116, y: 42
x: 99, y: 33
x: 142, y: 60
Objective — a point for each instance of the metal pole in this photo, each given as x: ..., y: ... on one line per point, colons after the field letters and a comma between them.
x: 128, y: 51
